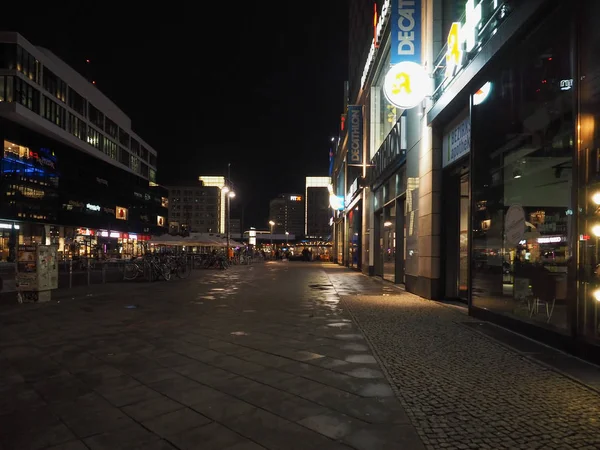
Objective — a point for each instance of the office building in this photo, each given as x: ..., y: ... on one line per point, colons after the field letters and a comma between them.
x: 219, y: 182
x: 287, y: 211
x: 73, y: 172
x: 482, y: 188
x: 317, y: 211
x: 194, y: 209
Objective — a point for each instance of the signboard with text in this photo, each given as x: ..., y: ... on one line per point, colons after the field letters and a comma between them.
x: 355, y: 135
x: 457, y: 143
x: 406, y: 31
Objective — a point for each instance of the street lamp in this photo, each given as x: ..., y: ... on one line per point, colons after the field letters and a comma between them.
x: 230, y: 195
x: 287, y: 234
x: 272, y: 224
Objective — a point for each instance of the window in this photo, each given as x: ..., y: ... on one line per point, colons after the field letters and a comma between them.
x: 144, y: 170
x: 384, y: 115
x: 134, y: 163
x: 111, y: 128
x: 123, y: 156
x: 522, y: 178
x: 15, y: 151
x: 144, y: 153
x: 135, y: 147
x: 110, y: 148
x: 26, y: 64
x: 54, y: 85
x: 8, y: 54
x: 77, y: 127
x: 53, y: 112
x: 123, y: 138
x: 94, y: 138
x: 26, y: 95
x: 77, y: 102
x: 96, y: 117
x: 152, y: 175
x: 152, y: 160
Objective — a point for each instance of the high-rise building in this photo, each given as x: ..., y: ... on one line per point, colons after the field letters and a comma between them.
x: 219, y: 182
x: 317, y: 212
x: 73, y: 173
x: 194, y: 209
x: 287, y: 211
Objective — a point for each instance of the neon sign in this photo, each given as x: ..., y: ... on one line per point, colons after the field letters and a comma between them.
x: 378, y: 30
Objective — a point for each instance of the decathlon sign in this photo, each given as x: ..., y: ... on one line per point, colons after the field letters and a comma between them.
x: 355, y: 131
x: 406, y: 31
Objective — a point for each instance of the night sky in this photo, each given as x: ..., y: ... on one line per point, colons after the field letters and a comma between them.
x: 256, y: 84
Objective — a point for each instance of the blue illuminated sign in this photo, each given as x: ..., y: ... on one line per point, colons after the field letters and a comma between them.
x: 406, y: 31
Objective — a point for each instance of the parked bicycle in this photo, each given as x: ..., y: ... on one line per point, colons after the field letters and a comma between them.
x: 150, y: 267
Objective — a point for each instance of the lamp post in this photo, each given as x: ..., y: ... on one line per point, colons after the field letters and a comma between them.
x: 230, y: 194
x: 287, y: 234
x: 272, y: 224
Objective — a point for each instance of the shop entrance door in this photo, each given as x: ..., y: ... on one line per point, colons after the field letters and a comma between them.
x: 456, y: 222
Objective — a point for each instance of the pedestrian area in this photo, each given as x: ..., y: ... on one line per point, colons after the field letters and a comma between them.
x: 285, y: 355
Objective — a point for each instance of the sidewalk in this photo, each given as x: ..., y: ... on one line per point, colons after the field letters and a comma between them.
x: 462, y: 389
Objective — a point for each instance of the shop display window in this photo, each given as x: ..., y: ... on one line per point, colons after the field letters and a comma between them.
x: 522, y: 176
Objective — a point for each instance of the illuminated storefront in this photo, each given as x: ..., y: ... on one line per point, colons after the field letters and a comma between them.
x: 49, y: 193
x: 519, y: 196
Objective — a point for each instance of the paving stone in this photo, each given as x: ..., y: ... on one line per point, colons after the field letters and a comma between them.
x: 128, y: 396
x: 132, y: 437
x: 71, y: 445
x: 33, y: 429
x: 176, y: 422
x: 222, y: 407
x: 333, y: 425
x: 208, y: 437
x: 151, y: 408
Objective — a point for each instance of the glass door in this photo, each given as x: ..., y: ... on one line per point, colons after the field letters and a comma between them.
x: 456, y: 234
x: 463, y: 239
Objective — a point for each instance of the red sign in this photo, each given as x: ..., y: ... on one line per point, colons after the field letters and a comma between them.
x: 375, y: 17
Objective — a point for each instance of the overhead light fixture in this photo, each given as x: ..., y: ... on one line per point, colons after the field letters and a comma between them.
x: 387, y: 223
x: 517, y: 174
x: 596, y: 198
x: 596, y: 295
x: 596, y: 230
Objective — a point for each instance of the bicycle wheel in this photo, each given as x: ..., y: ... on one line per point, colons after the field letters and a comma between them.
x: 183, y: 270
x: 130, y: 272
x: 165, y: 271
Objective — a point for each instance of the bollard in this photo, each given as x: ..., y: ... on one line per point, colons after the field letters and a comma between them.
x: 89, y: 272
x: 104, y: 273
x: 70, y: 273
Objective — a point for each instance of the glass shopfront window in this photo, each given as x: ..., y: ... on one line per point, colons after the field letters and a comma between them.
x: 354, y: 236
x: 384, y: 115
x: 389, y: 242
x: 522, y: 180
x: 589, y: 172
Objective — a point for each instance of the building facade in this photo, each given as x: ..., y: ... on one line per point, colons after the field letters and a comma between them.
x: 73, y: 173
x: 287, y: 211
x: 194, y: 209
x: 317, y: 209
x: 486, y: 190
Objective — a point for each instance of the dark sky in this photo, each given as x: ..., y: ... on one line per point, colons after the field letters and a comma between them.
x: 256, y: 84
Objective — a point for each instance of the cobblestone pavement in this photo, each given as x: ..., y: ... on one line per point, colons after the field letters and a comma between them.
x: 462, y: 390
x: 259, y: 357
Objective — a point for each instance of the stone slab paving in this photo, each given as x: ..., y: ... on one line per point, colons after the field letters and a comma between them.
x: 463, y: 390
x: 259, y: 357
